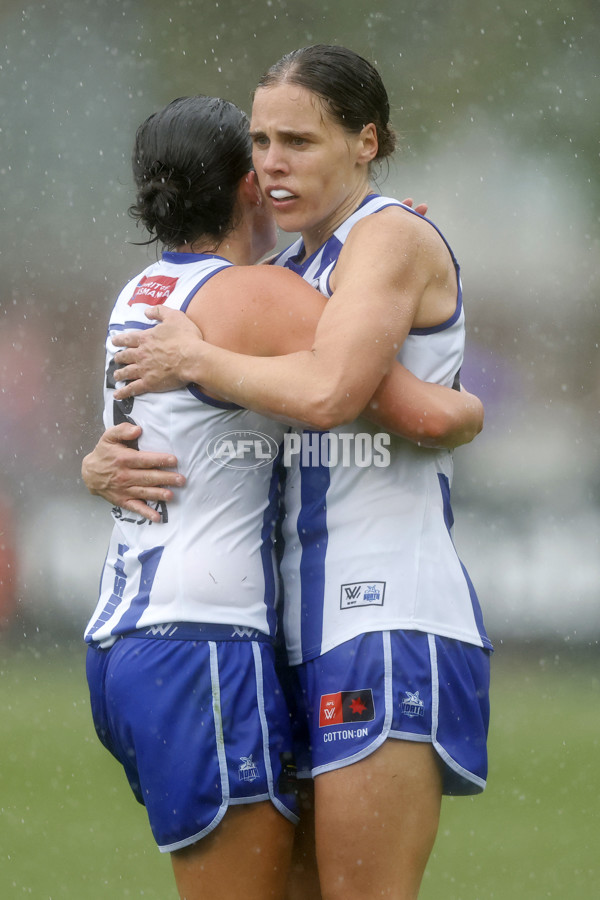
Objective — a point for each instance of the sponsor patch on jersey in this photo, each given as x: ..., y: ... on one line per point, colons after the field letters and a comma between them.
x: 153, y: 290
x: 362, y: 593
x: 346, y: 706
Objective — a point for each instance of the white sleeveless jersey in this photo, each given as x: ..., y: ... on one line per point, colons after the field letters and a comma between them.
x: 368, y: 538
x: 211, y: 558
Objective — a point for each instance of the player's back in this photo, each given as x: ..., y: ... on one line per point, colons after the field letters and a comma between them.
x: 211, y: 557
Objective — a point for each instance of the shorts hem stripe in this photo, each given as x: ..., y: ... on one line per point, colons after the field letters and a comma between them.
x: 410, y: 736
x: 185, y: 842
x: 456, y: 767
x: 349, y: 760
x: 277, y: 803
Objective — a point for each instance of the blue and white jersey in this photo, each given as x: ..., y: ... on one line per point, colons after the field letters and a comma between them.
x: 368, y: 524
x: 211, y: 558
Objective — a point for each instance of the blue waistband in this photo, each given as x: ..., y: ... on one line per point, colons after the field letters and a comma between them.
x: 198, y: 631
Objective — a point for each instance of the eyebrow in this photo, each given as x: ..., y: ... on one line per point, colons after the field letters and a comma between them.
x: 288, y: 132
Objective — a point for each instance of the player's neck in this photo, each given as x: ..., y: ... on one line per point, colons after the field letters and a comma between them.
x: 235, y: 247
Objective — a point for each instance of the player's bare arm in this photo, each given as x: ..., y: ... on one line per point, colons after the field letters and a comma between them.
x: 357, y: 337
x: 279, y: 313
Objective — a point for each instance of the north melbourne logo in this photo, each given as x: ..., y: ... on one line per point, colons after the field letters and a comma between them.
x: 247, y: 770
x: 412, y: 705
x: 362, y: 593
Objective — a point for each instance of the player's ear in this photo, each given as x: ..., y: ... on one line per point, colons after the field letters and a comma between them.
x: 250, y: 189
x: 367, y: 144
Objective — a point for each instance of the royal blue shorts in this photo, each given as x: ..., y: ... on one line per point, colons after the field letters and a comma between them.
x: 198, y: 726
x: 400, y: 684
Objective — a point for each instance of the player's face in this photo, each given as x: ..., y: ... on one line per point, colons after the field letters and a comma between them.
x: 311, y: 170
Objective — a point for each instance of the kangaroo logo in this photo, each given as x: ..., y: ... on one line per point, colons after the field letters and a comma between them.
x: 247, y: 770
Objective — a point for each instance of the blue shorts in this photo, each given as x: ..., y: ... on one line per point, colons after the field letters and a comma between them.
x: 198, y: 726
x: 400, y: 684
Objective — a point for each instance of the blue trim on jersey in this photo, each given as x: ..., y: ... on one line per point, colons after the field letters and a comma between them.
x: 448, y: 323
x: 270, y: 517
x: 201, y: 283
x: 449, y: 521
x: 181, y: 259
x: 459, y: 299
x: 332, y: 248
x: 291, y: 262
x: 447, y: 506
x: 367, y: 199
x: 331, y: 251
x: 149, y: 560
x: 115, y: 598
x: 477, y: 612
x: 313, y: 536
x: 129, y: 326
x: 220, y: 404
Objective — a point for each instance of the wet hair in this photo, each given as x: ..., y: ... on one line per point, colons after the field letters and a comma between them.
x: 349, y: 86
x: 188, y: 160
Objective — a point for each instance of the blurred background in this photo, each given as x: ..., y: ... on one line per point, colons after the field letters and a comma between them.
x: 497, y: 110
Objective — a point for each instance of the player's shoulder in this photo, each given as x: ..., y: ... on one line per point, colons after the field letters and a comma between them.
x: 391, y: 227
x: 254, y: 280
x: 239, y: 296
x: 394, y: 218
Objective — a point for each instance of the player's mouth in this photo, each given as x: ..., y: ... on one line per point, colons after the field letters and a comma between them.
x: 281, y: 196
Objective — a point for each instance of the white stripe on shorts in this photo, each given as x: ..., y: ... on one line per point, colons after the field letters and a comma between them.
x: 220, y: 742
x: 435, y: 708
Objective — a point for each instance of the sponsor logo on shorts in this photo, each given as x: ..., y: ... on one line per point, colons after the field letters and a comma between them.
x: 412, y: 705
x: 362, y: 593
x: 247, y: 770
x: 347, y: 734
x: 346, y: 706
x: 153, y: 290
x: 242, y: 449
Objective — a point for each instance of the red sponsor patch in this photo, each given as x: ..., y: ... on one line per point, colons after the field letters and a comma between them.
x: 153, y: 290
x: 330, y: 712
x: 346, y: 706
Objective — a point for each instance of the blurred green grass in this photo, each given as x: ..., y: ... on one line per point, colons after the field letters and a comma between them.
x: 70, y: 828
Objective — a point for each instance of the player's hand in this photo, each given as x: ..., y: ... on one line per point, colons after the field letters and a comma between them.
x: 130, y: 478
x: 156, y: 358
x: 421, y: 208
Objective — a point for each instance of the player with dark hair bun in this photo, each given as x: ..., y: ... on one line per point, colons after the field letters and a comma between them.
x: 182, y: 194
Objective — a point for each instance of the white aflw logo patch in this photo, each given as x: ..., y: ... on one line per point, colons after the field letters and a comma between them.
x: 362, y: 593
